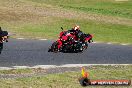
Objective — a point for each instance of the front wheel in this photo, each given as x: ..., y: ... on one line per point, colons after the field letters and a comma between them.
x: 54, y: 47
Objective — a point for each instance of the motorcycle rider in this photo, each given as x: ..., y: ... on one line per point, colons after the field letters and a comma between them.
x: 73, y: 32
x: 73, y: 39
x: 69, y: 36
x: 76, y: 32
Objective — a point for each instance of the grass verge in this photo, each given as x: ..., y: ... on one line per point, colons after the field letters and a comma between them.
x: 70, y: 79
x: 104, y: 7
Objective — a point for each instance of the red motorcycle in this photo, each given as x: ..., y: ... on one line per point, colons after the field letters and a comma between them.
x: 68, y: 43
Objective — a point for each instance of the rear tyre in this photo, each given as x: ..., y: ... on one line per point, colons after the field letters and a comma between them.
x: 49, y: 50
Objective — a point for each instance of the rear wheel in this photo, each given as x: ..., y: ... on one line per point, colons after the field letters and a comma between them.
x: 79, y: 47
x: 85, y: 45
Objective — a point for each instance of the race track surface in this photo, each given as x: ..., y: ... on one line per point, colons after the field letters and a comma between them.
x: 35, y: 52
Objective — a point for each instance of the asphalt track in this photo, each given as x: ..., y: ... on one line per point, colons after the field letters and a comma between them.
x: 35, y: 52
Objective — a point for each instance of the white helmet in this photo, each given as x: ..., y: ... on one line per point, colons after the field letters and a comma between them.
x: 76, y: 27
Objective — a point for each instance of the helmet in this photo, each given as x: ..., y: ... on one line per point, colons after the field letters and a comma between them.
x: 76, y: 27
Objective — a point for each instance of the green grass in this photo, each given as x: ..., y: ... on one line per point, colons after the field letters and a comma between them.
x: 108, y: 20
x: 104, y: 7
x: 70, y: 79
x: 102, y: 31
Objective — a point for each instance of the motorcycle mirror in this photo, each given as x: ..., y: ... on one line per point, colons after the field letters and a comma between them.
x: 62, y: 28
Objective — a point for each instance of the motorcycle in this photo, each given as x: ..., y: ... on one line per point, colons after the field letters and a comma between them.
x: 71, y: 45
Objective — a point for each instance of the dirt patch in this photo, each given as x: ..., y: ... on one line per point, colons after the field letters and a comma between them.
x: 35, y: 13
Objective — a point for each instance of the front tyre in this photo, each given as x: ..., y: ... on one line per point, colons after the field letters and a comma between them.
x: 54, y: 47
